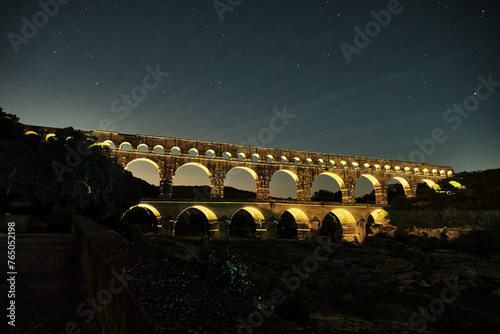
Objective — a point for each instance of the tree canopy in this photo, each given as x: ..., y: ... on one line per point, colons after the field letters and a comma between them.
x: 69, y: 174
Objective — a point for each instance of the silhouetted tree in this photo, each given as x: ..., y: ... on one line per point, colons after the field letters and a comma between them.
x: 331, y: 226
x: 327, y: 196
x: 367, y: 198
x: 70, y: 174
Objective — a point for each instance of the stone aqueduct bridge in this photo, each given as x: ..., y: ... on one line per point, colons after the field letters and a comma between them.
x: 217, y: 159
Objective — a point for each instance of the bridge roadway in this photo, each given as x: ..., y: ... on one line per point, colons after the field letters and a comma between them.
x: 308, y: 216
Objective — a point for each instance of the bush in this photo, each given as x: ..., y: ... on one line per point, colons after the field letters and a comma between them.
x: 225, y: 270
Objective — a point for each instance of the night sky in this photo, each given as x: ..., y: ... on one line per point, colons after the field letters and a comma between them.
x: 223, y: 80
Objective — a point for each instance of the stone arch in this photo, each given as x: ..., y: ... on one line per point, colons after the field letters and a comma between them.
x: 211, y: 216
x: 255, y: 157
x: 249, y: 170
x: 193, y: 153
x: 193, y: 183
x: 143, y: 148
x: 176, y: 150
x: 424, y: 186
x: 51, y: 136
x: 321, y: 163
x: 237, y: 171
x: 269, y: 159
x: 110, y: 144
x: 147, y: 207
x: 205, y: 169
x: 296, y: 161
x: 255, y: 213
x: 340, y: 183
x: 355, y: 165
x: 376, y: 186
x: 393, y: 190
x: 241, y: 156
x: 226, y: 156
x: 430, y: 183
x: 210, y: 154
x: 301, y: 218
x: 331, y: 164
x: 403, y: 182
x: 379, y: 216
x: 29, y: 133
x: 293, y: 223
x: 148, y: 161
x: 126, y: 146
x: 309, y: 162
x: 158, y: 149
x: 350, y: 229
x: 246, y: 221
x: 376, y: 217
x: 284, y: 160
x: 196, y: 220
x: 291, y: 174
x: 145, y: 221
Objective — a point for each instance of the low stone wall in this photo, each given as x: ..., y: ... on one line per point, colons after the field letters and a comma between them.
x: 134, y: 291
x: 22, y: 222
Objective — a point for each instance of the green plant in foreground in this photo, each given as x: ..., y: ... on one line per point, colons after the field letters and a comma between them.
x: 225, y: 270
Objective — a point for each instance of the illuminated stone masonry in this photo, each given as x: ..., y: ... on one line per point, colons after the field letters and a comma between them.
x: 217, y: 159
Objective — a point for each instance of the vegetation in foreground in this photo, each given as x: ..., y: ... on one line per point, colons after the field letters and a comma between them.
x: 68, y: 174
x: 469, y: 201
x: 372, y: 288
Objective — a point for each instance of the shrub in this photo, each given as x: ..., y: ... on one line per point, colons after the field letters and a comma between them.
x: 225, y: 270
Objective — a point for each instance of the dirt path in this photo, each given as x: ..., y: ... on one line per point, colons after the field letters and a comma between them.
x: 49, y: 285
